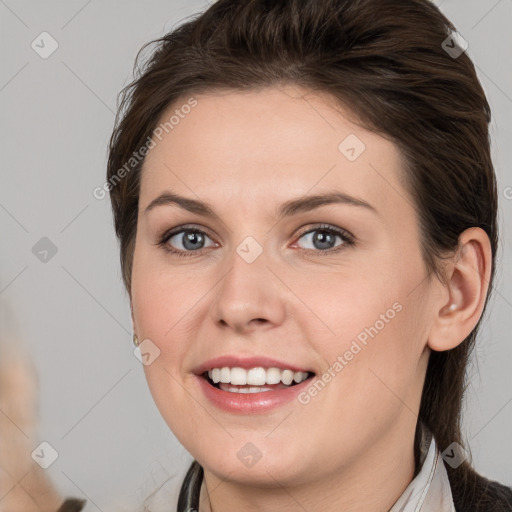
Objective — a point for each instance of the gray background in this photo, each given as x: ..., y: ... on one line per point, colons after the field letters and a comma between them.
x: 72, y: 311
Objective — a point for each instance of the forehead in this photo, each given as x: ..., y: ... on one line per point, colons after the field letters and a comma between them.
x: 261, y: 148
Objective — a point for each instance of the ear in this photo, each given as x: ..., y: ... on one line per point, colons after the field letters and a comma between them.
x: 466, y: 286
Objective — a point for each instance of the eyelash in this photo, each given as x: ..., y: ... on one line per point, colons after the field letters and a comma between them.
x: 348, y: 240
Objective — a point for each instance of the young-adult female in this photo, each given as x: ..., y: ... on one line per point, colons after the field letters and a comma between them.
x: 305, y: 188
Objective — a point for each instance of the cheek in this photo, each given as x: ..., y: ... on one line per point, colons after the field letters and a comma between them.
x: 158, y: 316
x: 371, y: 385
x: 175, y: 404
x: 368, y: 331
x: 349, y: 304
x: 161, y: 299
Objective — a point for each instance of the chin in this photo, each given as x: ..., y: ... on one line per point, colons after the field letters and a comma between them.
x: 272, y: 467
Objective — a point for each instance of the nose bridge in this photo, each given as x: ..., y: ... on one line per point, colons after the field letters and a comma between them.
x: 248, y: 291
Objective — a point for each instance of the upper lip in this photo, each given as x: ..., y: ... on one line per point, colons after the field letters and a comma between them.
x: 247, y: 363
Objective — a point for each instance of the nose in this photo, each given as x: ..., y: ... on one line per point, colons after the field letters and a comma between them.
x: 249, y: 297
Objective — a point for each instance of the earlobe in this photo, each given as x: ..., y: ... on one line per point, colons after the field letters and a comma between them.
x: 467, y: 286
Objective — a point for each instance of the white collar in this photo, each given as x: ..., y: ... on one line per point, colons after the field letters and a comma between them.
x: 430, y: 490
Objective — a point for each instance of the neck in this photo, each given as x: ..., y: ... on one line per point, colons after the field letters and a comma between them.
x: 373, y: 482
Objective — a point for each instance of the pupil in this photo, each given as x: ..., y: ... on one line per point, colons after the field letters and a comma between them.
x: 191, y: 237
x: 321, y: 238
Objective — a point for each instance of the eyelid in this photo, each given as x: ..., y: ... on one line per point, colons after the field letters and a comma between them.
x: 343, y: 233
x: 184, y: 227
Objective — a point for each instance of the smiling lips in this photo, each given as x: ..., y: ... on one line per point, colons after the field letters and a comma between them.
x: 242, y: 385
x: 251, y: 374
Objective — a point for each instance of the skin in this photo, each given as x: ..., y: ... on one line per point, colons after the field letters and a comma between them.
x: 246, y: 153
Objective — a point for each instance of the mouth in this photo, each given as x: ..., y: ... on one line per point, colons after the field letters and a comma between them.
x: 251, y: 387
x: 257, y: 380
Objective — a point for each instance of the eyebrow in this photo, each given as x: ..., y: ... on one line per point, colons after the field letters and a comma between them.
x: 287, y: 209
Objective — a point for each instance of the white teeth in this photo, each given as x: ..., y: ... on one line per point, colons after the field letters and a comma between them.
x: 258, y: 376
x: 225, y: 374
x: 298, y: 377
x: 287, y: 377
x: 273, y: 376
x: 238, y: 377
x: 235, y: 389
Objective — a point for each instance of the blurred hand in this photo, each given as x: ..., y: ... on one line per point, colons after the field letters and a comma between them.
x: 24, y: 485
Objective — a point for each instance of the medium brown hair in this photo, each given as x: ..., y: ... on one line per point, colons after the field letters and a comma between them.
x: 384, y: 60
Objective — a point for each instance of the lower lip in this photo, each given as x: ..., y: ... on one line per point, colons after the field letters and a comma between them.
x: 250, y: 403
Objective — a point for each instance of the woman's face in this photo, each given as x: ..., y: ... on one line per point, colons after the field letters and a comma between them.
x: 256, y: 281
